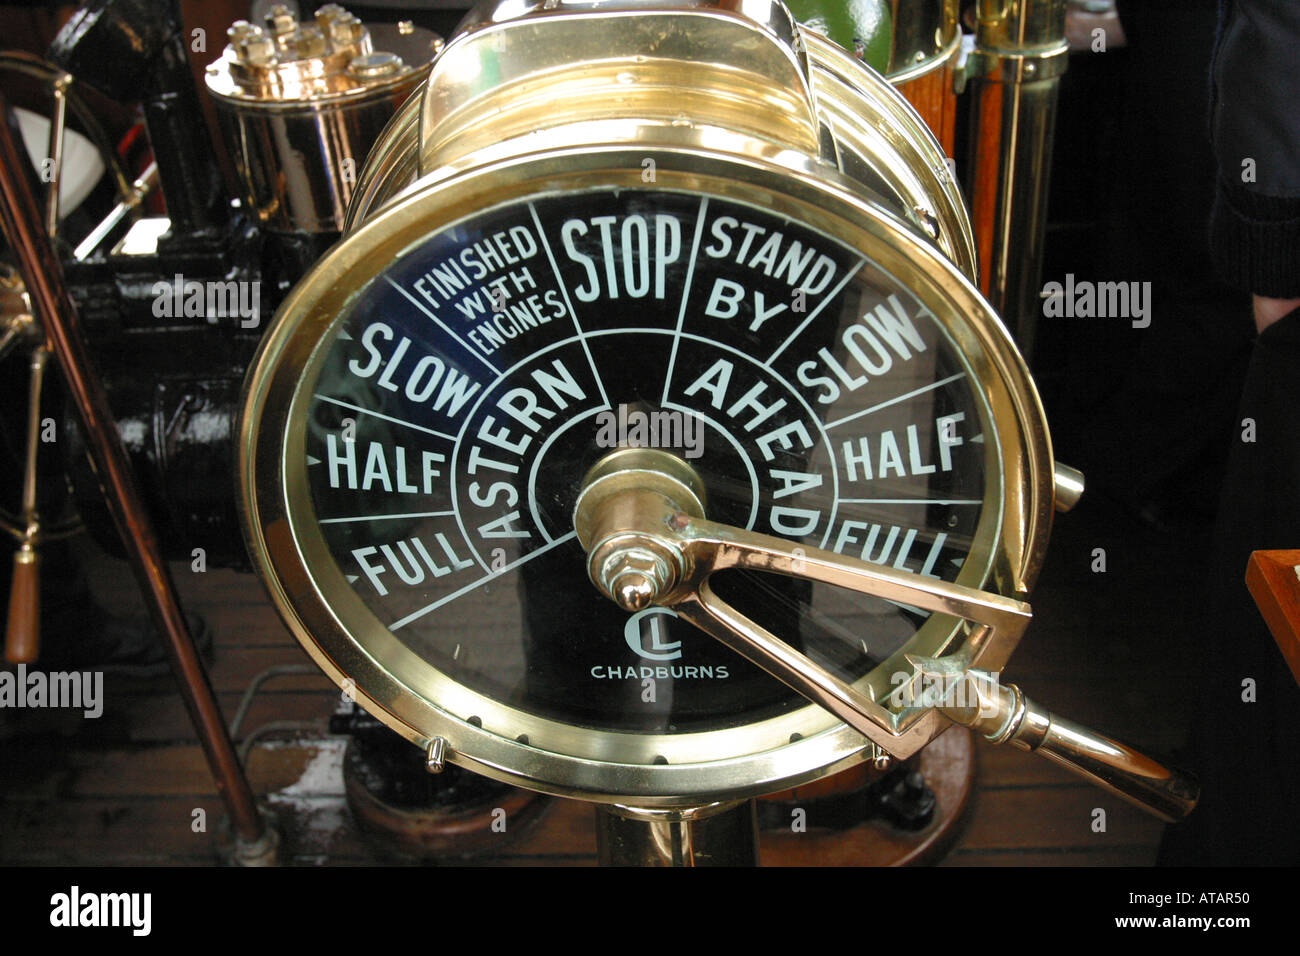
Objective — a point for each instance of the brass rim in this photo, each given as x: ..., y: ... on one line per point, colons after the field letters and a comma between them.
x: 348, y: 642
x: 876, y: 122
x: 870, y: 118
x: 935, y: 61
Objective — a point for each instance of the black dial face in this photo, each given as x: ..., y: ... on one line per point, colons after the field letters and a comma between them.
x: 457, y: 405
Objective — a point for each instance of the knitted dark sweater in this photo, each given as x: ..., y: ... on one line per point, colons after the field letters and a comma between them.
x: 1255, y: 129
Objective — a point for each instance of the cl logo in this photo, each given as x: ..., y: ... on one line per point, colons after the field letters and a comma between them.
x: 647, y: 640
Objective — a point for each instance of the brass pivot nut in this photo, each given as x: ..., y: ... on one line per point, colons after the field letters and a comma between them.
x: 310, y: 43
x: 345, y: 30
x: 280, y: 20
x: 240, y: 31
x: 635, y: 578
x: 327, y: 13
x: 251, y: 43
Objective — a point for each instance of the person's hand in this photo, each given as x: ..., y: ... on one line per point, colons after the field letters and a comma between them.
x: 1267, y: 311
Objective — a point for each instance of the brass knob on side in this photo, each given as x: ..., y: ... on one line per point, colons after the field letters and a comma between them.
x: 1067, y: 485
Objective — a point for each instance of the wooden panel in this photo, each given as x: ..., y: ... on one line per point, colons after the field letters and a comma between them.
x: 984, y: 182
x: 1093, y: 856
x: 162, y: 718
x: 947, y: 764
x: 1274, y: 581
x: 121, y: 789
x: 108, y: 831
x: 934, y: 99
x: 1058, y: 817
x: 566, y: 833
x: 233, y: 669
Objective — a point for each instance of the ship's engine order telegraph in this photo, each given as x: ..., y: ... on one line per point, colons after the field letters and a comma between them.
x: 645, y: 439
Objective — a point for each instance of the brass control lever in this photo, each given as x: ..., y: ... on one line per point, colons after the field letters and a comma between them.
x: 640, y: 517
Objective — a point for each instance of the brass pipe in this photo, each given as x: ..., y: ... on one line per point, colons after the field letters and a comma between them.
x: 23, y: 627
x: 36, y: 384
x: 53, y: 305
x: 140, y: 189
x: 58, y: 124
x: 716, y: 835
x: 1014, y: 71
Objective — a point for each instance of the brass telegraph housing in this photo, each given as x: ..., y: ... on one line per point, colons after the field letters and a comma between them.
x: 731, y: 100
x: 744, y: 80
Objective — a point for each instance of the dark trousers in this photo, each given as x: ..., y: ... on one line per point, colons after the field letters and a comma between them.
x: 1247, y: 754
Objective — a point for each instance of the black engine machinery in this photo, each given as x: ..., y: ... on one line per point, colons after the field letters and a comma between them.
x: 175, y: 307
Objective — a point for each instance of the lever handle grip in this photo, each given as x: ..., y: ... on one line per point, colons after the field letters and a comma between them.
x: 23, y: 634
x: 1165, y: 792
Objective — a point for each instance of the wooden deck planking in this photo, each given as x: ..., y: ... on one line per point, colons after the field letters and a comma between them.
x: 122, y: 789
